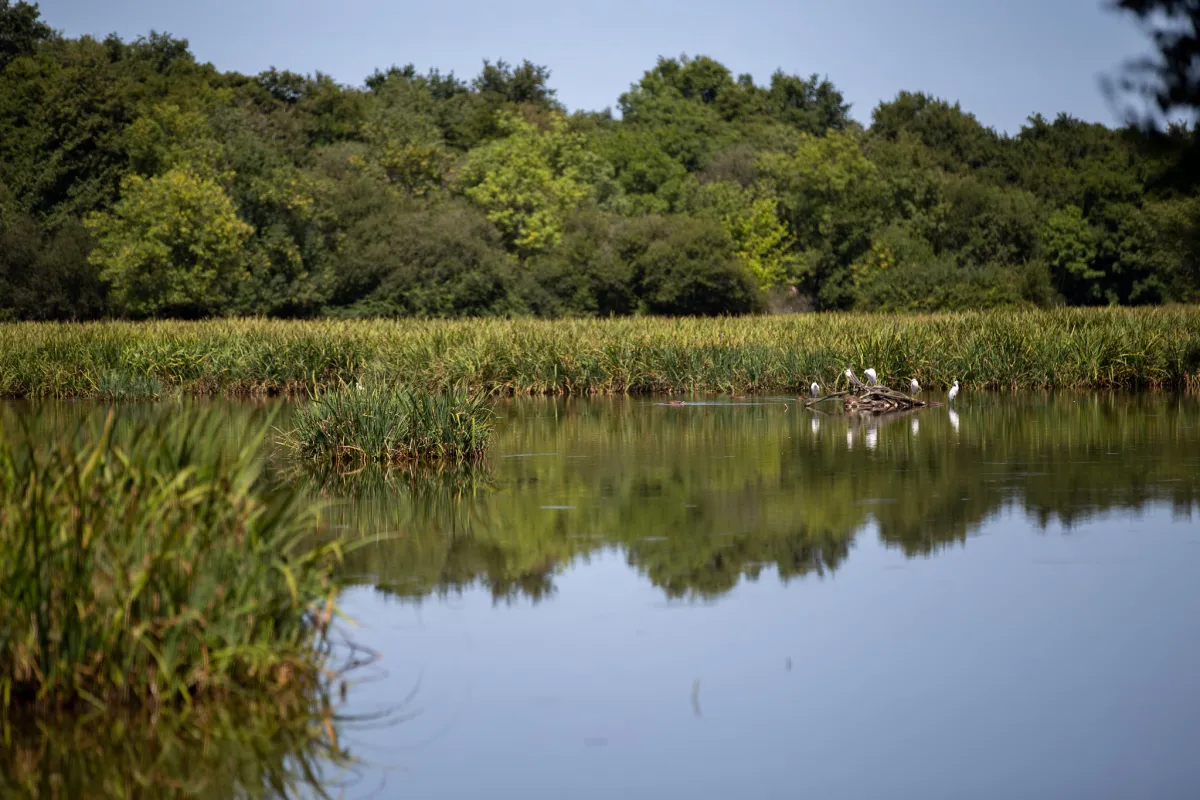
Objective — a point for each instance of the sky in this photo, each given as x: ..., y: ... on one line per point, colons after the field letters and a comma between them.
x: 1002, y: 60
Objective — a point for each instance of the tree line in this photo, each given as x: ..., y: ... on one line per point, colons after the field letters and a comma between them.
x: 137, y: 182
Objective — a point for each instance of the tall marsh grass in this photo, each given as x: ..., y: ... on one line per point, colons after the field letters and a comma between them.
x: 153, y: 567
x: 392, y: 426
x: 1064, y: 348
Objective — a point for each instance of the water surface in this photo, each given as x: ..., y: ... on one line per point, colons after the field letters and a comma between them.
x: 746, y: 598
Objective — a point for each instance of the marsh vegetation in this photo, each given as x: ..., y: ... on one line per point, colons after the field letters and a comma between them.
x: 1060, y: 349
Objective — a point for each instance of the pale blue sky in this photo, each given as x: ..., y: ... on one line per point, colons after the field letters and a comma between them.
x: 1003, y: 59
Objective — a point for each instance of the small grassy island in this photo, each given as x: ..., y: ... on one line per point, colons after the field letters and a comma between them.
x: 392, y: 426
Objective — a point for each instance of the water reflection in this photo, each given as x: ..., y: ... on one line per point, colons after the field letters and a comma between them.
x: 1035, y: 666
x: 702, y: 496
x: 233, y: 750
x: 699, y: 498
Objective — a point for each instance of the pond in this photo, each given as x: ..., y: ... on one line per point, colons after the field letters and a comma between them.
x: 741, y: 597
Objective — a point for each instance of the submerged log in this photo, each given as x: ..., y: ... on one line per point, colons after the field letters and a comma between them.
x: 873, y: 399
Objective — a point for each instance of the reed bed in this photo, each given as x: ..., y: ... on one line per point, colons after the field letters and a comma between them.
x: 1062, y: 348
x: 392, y: 425
x: 153, y: 567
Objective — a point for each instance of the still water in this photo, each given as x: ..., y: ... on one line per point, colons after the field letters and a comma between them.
x: 742, y: 598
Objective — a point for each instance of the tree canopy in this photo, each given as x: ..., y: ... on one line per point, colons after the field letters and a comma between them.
x: 138, y: 182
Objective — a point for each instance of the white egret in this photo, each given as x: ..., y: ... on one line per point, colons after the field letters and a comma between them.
x: 953, y: 392
x: 850, y: 376
x: 815, y: 389
x: 914, y: 387
x: 872, y: 378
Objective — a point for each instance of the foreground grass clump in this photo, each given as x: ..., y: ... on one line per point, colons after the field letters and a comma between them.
x: 153, y: 568
x: 1066, y: 348
x: 393, y: 426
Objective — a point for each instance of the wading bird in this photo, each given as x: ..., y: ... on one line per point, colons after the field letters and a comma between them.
x: 953, y: 392
x: 914, y: 386
x: 872, y: 378
x: 815, y: 389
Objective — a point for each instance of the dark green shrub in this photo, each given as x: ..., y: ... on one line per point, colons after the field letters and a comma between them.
x: 444, y: 260
x: 685, y: 266
x: 45, y: 275
x: 903, y: 273
x: 585, y: 275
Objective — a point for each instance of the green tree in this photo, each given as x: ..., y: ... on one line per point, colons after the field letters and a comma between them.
x: 1068, y: 161
x: 809, y: 105
x: 979, y: 223
x: 65, y: 112
x: 957, y: 140
x: 441, y: 260
x: 461, y: 116
x: 291, y: 252
x: 173, y: 245
x: 21, y: 30
x: 1177, y: 231
x: 527, y: 83
x: 651, y: 179
x: 528, y: 182
x: 748, y: 215
x: 832, y: 198
x: 45, y: 274
x: 901, y: 272
x: 687, y: 127
x: 1071, y: 249
x: 1135, y: 264
x: 167, y: 137
x: 404, y: 135
x: 586, y: 275
x: 686, y: 266
x: 329, y: 111
x: 928, y: 208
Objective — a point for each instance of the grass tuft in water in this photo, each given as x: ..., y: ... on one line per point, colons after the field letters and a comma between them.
x: 117, y: 385
x: 155, y: 568
x: 393, y: 426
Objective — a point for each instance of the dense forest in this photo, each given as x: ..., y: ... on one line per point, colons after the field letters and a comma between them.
x: 136, y: 182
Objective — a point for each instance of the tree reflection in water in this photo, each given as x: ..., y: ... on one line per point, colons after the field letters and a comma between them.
x: 701, y: 497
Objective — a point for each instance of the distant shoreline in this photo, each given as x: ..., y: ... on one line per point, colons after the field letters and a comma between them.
x: 1152, y: 348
